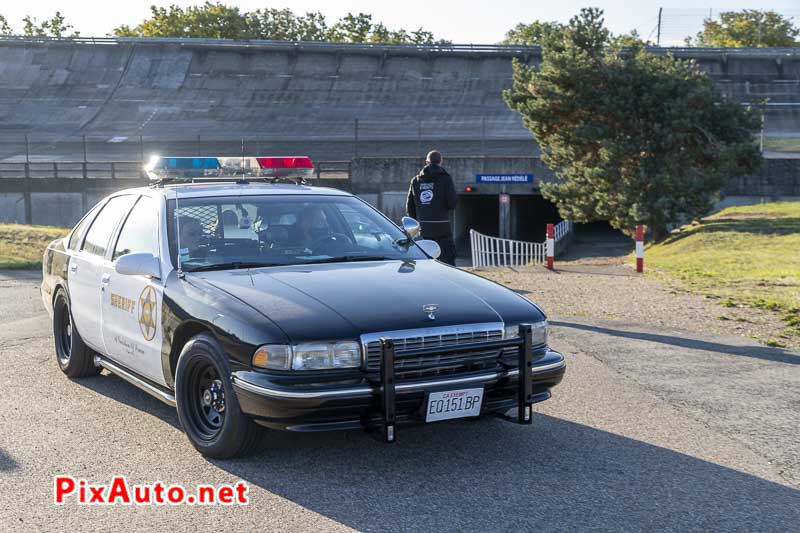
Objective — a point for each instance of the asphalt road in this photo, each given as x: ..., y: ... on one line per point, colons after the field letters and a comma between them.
x: 651, y: 430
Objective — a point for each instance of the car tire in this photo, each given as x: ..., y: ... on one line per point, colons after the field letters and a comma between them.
x: 208, y: 409
x: 74, y: 358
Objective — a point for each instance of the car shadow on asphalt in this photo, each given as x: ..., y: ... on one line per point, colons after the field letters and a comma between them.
x: 756, y: 352
x: 120, y: 390
x: 489, y: 475
x: 7, y: 463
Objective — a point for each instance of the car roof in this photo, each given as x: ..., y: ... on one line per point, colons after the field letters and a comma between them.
x: 202, y: 190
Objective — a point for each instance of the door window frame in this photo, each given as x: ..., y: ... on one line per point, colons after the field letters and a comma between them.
x: 112, y: 237
x: 118, y: 231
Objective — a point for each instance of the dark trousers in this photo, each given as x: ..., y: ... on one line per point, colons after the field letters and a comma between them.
x: 448, y: 247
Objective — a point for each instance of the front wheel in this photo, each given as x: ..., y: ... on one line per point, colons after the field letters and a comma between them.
x: 207, y: 405
x: 75, y: 359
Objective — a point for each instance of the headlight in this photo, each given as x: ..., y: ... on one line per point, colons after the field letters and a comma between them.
x: 309, y: 356
x: 538, y: 333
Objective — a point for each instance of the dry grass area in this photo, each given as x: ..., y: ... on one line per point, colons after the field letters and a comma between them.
x: 782, y: 144
x: 615, y: 292
x: 736, y: 272
x: 22, y: 246
x: 745, y: 257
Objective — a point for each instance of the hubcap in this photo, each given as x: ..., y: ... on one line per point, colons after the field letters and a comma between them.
x: 214, y: 396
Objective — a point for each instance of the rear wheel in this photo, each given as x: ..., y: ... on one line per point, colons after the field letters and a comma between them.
x: 207, y: 405
x: 74, y: 358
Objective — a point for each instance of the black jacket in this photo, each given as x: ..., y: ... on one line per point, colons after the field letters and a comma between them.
x: 431, y: 197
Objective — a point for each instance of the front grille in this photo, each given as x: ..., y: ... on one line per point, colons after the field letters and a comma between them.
x: 437, y: 365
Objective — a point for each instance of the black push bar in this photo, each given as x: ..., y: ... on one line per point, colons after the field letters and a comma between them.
x: 387, y: 389
x: 524, y: 343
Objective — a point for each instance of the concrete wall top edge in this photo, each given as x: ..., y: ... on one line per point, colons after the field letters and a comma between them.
x: 447, y: 49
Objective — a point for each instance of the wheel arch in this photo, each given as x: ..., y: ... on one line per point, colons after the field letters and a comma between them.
x: 185, y: 331
x: 58, y: 286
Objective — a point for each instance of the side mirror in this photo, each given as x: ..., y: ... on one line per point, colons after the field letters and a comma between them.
x: 411, y: 227
x: 142, y: 264
x: 430, y: 247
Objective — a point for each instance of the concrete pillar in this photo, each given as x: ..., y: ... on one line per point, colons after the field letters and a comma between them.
x: 504, y: 200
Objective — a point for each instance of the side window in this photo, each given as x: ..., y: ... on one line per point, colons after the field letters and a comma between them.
x: 140, y: 231
x: 104, y: 223
x: 80, y: 229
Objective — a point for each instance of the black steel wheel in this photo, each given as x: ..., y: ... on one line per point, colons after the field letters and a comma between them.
x: 207, y: 406
x: 74, y: 358
x: 207, y: 412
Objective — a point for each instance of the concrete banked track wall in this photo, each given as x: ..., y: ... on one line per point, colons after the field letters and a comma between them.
x: 300, y: 98
x: 174, y: 89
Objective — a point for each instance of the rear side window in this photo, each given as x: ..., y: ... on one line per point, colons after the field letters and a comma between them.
x: 104, y: 223
x: 140, y: 231
x: 80, y: 229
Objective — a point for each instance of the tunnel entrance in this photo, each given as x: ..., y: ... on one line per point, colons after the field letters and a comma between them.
x: 480, y: 212
x: 525, y: 218
x: 530, y: 215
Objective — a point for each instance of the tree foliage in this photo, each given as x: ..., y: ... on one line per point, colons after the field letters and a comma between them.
x: 749, y: 27
x: 218, y: 20
x: 534, y: 33
x: 633, y: 137
x: 5, y: 29
x: 55, y: 27
x: 539, y: 33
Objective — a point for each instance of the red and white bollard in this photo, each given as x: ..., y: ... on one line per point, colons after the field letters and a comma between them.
x: 640, y: 248
x: 551, y: 245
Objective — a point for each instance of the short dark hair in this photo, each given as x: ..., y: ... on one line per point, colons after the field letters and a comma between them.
x: 434, y: 157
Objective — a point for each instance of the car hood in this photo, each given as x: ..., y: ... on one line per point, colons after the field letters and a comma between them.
x: 345, y: 300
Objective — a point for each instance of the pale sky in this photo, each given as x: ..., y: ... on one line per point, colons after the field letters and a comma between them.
x: 454, y: 20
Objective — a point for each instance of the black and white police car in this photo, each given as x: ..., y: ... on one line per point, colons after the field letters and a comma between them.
x: 245, y: 300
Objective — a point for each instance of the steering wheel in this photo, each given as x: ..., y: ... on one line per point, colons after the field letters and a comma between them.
x: 331, y: 240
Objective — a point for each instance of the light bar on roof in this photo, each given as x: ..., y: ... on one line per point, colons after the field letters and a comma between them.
x: 208, y: 167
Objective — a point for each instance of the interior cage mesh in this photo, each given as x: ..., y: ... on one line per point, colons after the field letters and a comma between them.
x: 205, y: 214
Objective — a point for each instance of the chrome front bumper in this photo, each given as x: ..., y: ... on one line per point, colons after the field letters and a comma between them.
x: 277, y: 393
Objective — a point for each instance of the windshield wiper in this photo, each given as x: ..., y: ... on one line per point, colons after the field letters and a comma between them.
x: 233, y: 265
x: 349, y: 259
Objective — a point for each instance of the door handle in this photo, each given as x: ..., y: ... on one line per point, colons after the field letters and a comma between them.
x: 73, y: 267
x: 104, y: 279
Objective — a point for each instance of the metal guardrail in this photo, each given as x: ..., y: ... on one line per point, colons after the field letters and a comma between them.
x: 72, y: 170
x: 488, y: 251
x: 435, y: 47
x: 124, y: 170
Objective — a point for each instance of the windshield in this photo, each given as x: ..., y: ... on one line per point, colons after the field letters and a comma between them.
x: 251, y: 231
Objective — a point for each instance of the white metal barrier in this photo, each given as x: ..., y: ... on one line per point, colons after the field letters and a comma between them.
x: 563, y: 229
x: 495, y: 251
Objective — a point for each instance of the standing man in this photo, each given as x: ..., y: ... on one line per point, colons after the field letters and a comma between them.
x: 431, y: 197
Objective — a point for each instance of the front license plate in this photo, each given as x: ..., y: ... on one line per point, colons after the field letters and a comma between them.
x: 453, y: 404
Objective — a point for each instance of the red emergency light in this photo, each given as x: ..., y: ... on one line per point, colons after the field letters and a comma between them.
x: 285, y: 162
x: 470, y: 188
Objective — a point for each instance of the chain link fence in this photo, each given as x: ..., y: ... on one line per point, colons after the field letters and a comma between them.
x: 674, y: 26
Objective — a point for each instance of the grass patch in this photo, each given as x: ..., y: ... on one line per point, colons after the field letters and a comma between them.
x: 746, y: 256
x: 22, y: 246
x: 782, y: 144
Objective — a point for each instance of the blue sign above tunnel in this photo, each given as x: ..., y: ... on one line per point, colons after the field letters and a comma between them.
x: 504, y: 178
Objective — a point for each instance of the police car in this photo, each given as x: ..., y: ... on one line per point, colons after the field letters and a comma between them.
x: 245, y: 298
